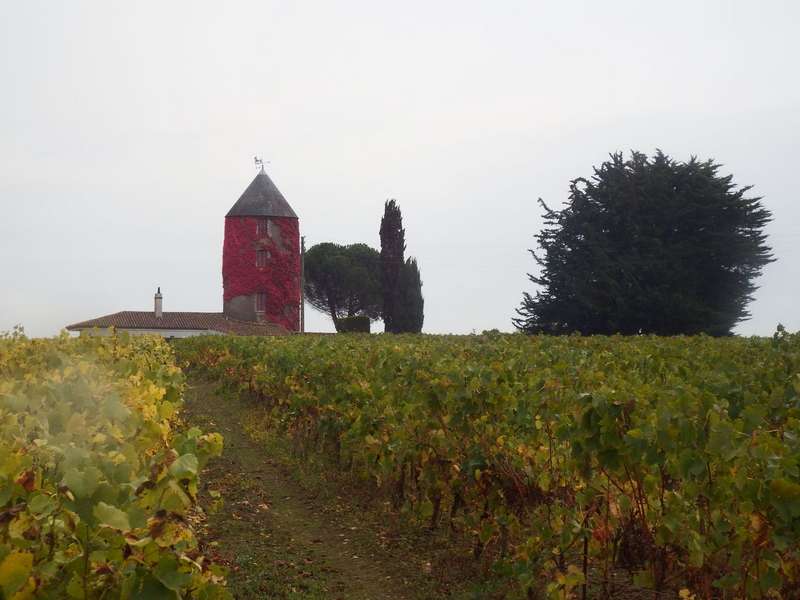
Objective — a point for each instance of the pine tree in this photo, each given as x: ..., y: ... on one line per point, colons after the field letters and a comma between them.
x: 393, y: 248
x: 343, y: 281
x: 648, y: 245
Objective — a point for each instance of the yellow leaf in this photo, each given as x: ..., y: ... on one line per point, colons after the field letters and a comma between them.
x: 14, y: 571
x: 755, y: 522
x: 172, y: 533
x: 27, y: 592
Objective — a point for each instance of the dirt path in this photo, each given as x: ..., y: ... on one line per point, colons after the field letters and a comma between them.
x: 281, y: 541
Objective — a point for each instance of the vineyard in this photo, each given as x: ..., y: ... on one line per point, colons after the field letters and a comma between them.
x: 98, y: 485
x: 598, y: 467
x: 577, y: 467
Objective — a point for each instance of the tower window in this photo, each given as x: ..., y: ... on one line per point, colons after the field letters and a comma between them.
x: 262, y: 256
x: 261, y: 302
x: 266, y: 228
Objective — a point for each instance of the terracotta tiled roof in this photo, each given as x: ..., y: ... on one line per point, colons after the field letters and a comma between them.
x: 134, y: 319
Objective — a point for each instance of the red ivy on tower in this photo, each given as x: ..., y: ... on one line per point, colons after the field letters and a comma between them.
x: 261, y: 257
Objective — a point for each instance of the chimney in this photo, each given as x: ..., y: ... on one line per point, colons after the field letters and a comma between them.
x: 159, y: 312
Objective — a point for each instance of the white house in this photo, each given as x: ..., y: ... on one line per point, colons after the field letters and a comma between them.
x: 174, y: 324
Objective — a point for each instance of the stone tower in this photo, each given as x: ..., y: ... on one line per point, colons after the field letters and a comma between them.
x: 261, y: 257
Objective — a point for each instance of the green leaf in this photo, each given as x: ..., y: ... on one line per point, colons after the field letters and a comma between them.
x: 41, y: 504
x: 486, y: 533
x: 6, y: 491
x: 115, y: 410
x: 184, y: 466
x: 152, y: 589
x: 786, y: 496
x: 174, y: 498
x: 168, y: 573
x: 75, y: 588
x: 692, y: 464
x: 111, y: 516
x: 82, y: 483
x: 609, y: 458
x: 643, y: 579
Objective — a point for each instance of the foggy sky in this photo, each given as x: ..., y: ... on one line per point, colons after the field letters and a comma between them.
x: 127, y: 131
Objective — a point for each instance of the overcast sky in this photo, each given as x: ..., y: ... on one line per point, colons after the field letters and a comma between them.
x: 127, y: 131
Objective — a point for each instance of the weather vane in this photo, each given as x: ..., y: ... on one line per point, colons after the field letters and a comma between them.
x: 259, y: 163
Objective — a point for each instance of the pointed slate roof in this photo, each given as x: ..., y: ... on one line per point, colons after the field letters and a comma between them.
x: 261, y: 199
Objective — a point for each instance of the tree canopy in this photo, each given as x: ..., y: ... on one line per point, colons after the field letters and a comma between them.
x: 343, y: 281
x: 648, y: 245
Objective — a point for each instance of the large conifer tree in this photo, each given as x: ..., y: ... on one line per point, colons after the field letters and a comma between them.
x: 393, y: 246
x: 409, y: 309
x: 648, y: 245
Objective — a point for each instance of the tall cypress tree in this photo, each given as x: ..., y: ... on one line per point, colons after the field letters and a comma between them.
x: 393, y: 246
x: 409, y: 310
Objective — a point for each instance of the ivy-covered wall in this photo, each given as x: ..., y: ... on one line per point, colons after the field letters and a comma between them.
x: 279, y: 278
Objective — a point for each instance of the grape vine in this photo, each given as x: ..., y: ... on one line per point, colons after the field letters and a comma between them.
x: 96, y: 482
x: 571, y: 461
